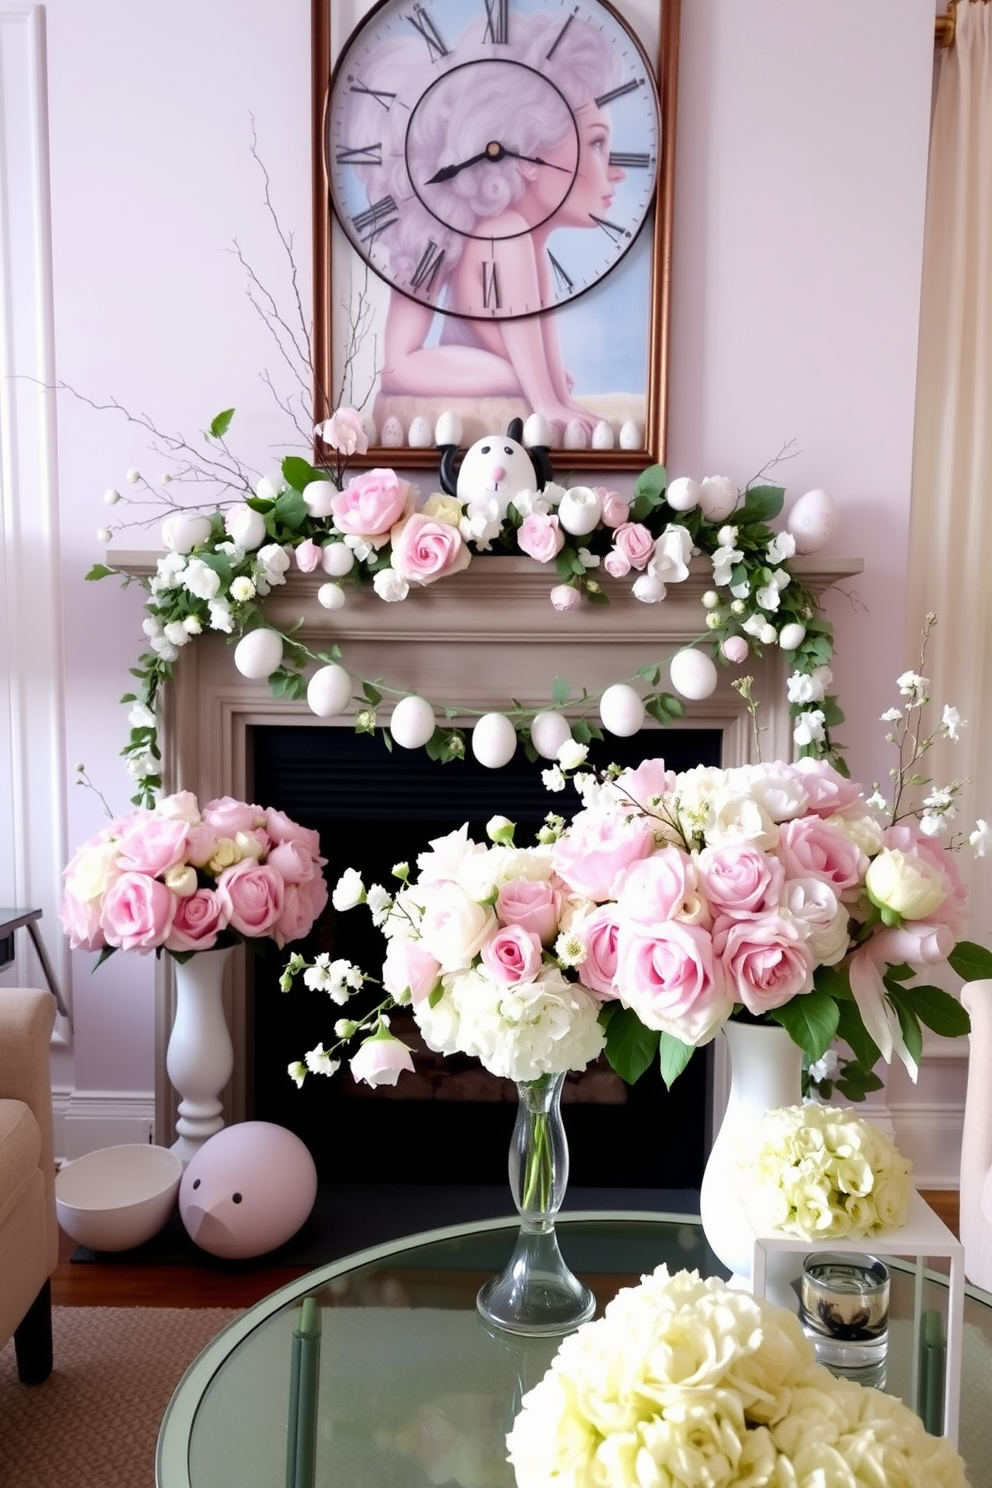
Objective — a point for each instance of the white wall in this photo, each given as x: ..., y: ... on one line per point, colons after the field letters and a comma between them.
x: 802, y: 140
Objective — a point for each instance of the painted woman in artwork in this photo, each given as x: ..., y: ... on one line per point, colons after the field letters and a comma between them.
x: 556, y: 133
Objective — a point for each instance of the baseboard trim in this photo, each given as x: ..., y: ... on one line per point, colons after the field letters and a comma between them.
x: 89, y: 1119
x: 929, y: 1134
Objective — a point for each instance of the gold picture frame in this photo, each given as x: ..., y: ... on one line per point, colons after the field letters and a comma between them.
x: 349, y: 308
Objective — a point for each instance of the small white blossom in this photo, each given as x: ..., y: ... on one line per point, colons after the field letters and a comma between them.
x: 176, y: 633
x: 553, y: 779
x: 981, y: 838
x: 141, y: 765
x: 358, y: 545
x: 380, y: 902
x: 345, y: 1028
x: 111, y: 497
x: 201, y: 580
x: 724, y: 561
x: 781, y: 547
x: 141, y: 717
x: 587, y: 559
x: 710, y: 599
x: 570, y: 949
x: 390, y: 586
x: 952, y: 723
x: 297, y: 1071
x: 891, y: 715
x: 319, y: 1061
x: 220, y: 616
x: 825, y: 1068
x: 809, y: 687
x: 242, y: 589
x: 876, y: 801
x: 133, y: 477
x: 727, y: 537
x: 741, y: 590
x: 810, y: 728
x: 103, y: 534
x: 193, y: 625
x: 914, y: 687
x: 348, y: 891
x: 572, y: 754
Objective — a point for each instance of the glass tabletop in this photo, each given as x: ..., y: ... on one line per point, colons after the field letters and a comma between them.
x: 409, y: 1387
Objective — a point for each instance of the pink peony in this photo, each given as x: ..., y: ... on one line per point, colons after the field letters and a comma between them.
x: 599, y: 932
x: 533, y: 904
x: 810, y: 847
x: 302, y: 903
x: 635, y: 543
x: 766, y: 960
x: 228, y: 817
x: 152, y: 844
x: 648, y: 784
x: 657, y: 887
x: 282, y: 828
x: 81, y: 922
x: 741, y: 881
x: 252, y: 896
x: 512, y: 954
x: 198, y: 921
x: 425, y: 548
x: 598, y: 850
x: 540, y: 537
x: 671, y: 978
x: 829, y: 794
x: 371, y: 503
x: 409, y: 970
x: 381, y: 1060
x: 309, y: 557
x: 345, y: 432
x: 137, y: 913
x: 293, y: 861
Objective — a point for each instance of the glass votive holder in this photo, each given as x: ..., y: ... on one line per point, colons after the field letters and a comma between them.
x: 844, y: 1310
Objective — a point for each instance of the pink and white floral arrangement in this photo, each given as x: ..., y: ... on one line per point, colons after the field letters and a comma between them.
x: 181, y: 879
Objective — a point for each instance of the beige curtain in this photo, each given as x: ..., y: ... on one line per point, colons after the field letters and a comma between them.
x: 950, y: 569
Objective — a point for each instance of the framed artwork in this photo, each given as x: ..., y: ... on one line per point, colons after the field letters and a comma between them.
x: 492, y: 202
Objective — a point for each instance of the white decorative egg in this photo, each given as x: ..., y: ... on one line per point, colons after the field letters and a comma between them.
x: 548, y: 732
x: 575, y: 436
x: 184, y: 531
x: 682, y: 494
x: 735, y: 648
x: 259, y: 653
x: 412, y: 723
x: 693, y: 674
x: 317, y: 497
x: 538, y: 433
x: 811, y: 521
x: 580, y: 510
x: 419, y: 436
x: 331, y: 596
x: 717, y: 497
x: 369, y: 429
x: 621, y: 710
x: 494, y: 740
x: 337, y: 559
x: 791, y: 636
x: 630, y: 435
x: 602, y: 436
x: 448, y: 429
x: 392, y: 433
x: 329, y: 691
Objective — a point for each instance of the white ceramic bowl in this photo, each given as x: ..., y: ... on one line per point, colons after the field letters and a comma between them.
x: 117, y: 1197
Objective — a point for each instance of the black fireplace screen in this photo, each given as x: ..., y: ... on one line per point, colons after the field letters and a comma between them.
x: 450, y: 1122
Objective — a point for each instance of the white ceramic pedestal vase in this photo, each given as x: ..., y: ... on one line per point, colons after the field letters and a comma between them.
x: 200, y: 1055
x: 765, y: 1072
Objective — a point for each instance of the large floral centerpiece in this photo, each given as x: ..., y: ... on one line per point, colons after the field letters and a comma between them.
x: 182, y: 879
x: 685, y: 1382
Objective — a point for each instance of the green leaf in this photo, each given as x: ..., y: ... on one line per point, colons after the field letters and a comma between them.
x: 220, y: 425
x: 651, y: 674
x: 673, y: 1056
x: 854, y: 1033
x: 630, y: 1047
x: 854, y: 1083
x: 100, y: 571
x: 299, y: 473
x: 291, y: 509
x: 761, y: 503
x: 911, y: 1030
x: 560, y: 692
x: 651, y: 482
x: 372, y: 694
x: 973, y: 963
x: 810, y: 1021
x: 934, y: 1007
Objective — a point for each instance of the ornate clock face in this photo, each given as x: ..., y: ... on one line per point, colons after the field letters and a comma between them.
x: 492, y: 160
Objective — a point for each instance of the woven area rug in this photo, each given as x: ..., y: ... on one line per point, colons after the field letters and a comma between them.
x: 95, y: 1421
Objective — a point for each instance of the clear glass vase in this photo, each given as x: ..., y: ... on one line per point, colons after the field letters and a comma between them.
x: 536, y: 1292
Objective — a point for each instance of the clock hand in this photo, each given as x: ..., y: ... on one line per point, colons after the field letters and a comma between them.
x: 494, y: 151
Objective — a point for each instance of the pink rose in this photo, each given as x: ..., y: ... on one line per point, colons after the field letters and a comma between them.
x: 137, y: 913
x: 309, y: 557
x: 565, y: 597
x: 740, y: 880
x: 371, y: 503
x: 540, y: 537
x: 671, y: 978
x: 598, y: 850
x: 656, y: 888
x: 252, y: 897
x: 599, y: 934
x: 282, y: 828
x: 198, y: 921
x: 201, y: 844
x: 766, y: 961
x: 81, y: 922
x: 512, y: 954
x: 635, y: 543
x: 828, y: 792
x: 425, y: 549
x: 616, y: 564
x: 381, y: 1060
x: 152, y: 844
x: 302, y: 903
x: 409, y: 969
x: 616, y: 508
x: 533, y: 904
x: 808, y: 846
x: 344, y: 431
x: 228, y: 817
x: 293, y: 861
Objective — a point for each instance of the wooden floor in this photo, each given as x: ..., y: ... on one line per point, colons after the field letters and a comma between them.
x: 109, y: 1285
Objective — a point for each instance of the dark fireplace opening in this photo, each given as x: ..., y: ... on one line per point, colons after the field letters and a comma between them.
x: 450, y: 1122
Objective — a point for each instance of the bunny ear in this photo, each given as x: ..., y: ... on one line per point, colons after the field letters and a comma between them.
x: 515, y: 430
x: 541, y: 457
x: 446, y: 470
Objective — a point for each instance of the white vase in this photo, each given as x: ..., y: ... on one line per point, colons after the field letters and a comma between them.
x: 765, y: 1072
x: 200, y: 1055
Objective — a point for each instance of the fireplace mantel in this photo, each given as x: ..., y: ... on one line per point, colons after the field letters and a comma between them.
x: 477, y: 640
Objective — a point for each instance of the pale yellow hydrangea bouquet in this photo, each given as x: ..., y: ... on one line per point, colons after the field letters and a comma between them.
x: 684, y: 1383
x: 824, y: 1173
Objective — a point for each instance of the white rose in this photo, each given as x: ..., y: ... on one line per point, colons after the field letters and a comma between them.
x: 390, y: 586
x: 454, y: 926
x: 274, y: 560
x: 672, y: 551
x: 201, y: 580
x: 348, y: 891
x: 905, y: 884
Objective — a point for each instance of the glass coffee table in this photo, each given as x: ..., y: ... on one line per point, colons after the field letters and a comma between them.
x: 376, y: 1371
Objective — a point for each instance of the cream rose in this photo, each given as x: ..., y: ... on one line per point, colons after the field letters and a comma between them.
x: 905, y: 884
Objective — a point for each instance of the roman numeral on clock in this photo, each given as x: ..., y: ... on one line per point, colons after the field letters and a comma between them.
x: 624, y: 88
x: 491, y: 299
x: 562, y: 280
x: 360, y: 154
x: 421, y: 21
x: 383, y: 99
x: 426, y: 271
x: 378, y: 217
x: 497, y: 22
x: 611, y: 229
x: 630, y: 159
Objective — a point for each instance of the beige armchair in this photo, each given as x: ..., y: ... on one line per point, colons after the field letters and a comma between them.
x: 29, y: 1237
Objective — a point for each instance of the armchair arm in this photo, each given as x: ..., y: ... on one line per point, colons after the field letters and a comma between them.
x: 27, y: 1017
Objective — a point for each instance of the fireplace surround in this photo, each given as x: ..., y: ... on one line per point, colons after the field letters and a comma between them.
x: 475, y: 640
